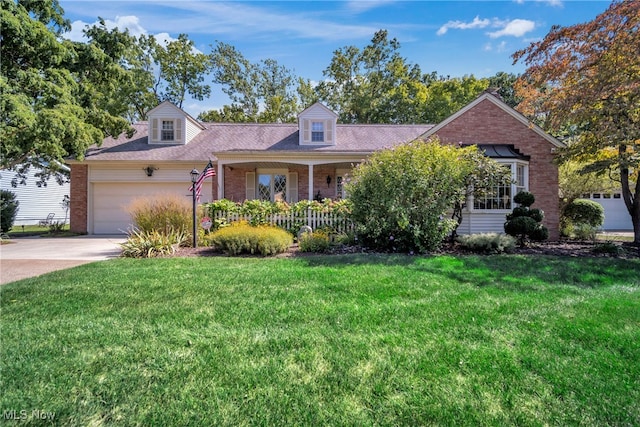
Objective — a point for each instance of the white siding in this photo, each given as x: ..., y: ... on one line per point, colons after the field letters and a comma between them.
x: 36, y: 202
x: 191, y: 130
x: 474, y: 222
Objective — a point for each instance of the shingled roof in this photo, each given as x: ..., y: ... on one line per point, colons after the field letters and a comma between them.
x: 251, y: 137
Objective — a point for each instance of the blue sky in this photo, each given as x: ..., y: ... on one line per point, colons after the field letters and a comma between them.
x: 453, y: 38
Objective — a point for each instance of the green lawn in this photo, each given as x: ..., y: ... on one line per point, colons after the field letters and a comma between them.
x: 326, y: 340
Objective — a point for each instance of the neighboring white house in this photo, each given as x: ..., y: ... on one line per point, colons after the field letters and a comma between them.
x: 616, y: 215
x: 36, y: 202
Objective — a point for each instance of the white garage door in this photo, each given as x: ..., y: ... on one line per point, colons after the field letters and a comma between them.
x: 111, y: 199
x: 616, y: 216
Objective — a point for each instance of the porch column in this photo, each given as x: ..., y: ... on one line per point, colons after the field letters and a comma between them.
x: 310, y: 197
x: 220, y: 175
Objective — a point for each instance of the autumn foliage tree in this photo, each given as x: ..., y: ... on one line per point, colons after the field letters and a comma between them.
x: 586, y: 78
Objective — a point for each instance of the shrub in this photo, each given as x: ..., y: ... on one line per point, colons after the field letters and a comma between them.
x: 582, y: 211
x: 318, y: 241
x: 148, y: 244
x: 165, y: 213
x: 8, y: 210
x: 523, y: 222
x: 487, y: 242
x: 401, y: 195
x: 582, y: 232
x: 607, y: 248
x: 242, y: 237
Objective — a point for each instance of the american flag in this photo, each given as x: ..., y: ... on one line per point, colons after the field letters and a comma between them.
x: 206, y: 173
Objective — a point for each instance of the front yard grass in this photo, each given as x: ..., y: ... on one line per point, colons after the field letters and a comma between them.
x: 326, y: 340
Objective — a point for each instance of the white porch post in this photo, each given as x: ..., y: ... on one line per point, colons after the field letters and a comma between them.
x: 220, y: 174
x: 310, y: 183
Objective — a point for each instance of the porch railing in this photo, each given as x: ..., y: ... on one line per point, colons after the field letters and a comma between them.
x: 292, y: 221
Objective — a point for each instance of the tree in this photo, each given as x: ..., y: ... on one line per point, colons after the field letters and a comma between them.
x: 8, y: 210
x: 50, y: 88
x: 259, y: 92
x: 401, y: 195
x: 182, y: 71
x: 588, y: 76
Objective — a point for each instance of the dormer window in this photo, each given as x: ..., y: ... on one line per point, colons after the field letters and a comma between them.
x: 317, y: 131
x: 167, y: 130
x: 317, y: 126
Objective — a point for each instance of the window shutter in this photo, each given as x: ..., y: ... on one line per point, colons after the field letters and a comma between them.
x: 250, y: 185
x: 154, y: 129
x: 328, y: 131
x: 306, y: 126
x: 292, y: 187
x: 178, y: 136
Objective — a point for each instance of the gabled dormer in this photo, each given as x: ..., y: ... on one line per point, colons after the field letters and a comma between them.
x: 168, y: 124
x: 317, y: 125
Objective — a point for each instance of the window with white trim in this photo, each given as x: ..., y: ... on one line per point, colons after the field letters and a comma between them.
x: 167, y: 133
x: 317, y: 131
x: 501, y: 198
x: 272, y: 187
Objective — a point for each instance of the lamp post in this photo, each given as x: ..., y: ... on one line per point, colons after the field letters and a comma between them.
x: 194, y: 178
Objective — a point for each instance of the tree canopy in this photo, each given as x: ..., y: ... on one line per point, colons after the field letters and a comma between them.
x: 586, y: 78
x: 54, y: 93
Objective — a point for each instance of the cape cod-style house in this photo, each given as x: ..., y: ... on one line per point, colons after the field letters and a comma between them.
x: 303, y: 160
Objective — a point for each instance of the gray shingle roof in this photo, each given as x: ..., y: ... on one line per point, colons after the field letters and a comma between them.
x: 235, y: 137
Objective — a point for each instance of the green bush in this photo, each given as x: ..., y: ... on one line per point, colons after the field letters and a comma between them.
x: 582, y: 232
x: 523, y: 222
x: 400, y: 196
x: 163, y: 213
x: 493, y: 243
x: 609, y: 248
x: 8, y: 211
x: 318, y: 241
x: 582, y: 211
x: 152, y: 243
x: 242, y: 237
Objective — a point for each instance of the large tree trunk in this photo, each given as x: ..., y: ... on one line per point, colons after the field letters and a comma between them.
x: 632, y: 201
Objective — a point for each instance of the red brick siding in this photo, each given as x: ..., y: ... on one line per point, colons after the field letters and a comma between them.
x: 78, y: 197
x: 234, y: 182
x: 486, y: 123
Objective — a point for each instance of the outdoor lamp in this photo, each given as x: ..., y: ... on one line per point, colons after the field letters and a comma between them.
x: 328, y: 180
x: 194, y: 178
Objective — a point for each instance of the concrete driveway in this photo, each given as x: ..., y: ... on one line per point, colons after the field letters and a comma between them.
x: 33, y: 256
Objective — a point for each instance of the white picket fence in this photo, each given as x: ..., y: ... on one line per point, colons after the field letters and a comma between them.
x: 291, y: 220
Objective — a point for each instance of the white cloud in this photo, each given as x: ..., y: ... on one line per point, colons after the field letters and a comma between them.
x: 460, y: 25
x: 515, y: 28
x: 499, y: 48
x: 360, y: 6
x: 130, y: 22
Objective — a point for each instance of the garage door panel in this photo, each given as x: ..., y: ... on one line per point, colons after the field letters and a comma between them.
x: 110, y: 202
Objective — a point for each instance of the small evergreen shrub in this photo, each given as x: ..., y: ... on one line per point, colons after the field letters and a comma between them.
x: 318, y: 241
x: 8, y: 210
x: 524, y: 223
x: 490, y: 243
x: 153, y: 243
x: 243, y: 238
x: 582, y: 211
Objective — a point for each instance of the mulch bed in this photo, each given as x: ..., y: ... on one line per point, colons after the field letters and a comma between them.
x: 563, y: 248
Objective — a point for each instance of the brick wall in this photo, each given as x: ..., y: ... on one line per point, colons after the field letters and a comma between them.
x: 78, y: 197
x: 487, y: 123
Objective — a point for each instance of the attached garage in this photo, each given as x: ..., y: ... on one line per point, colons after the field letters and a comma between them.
x: 110, y: 201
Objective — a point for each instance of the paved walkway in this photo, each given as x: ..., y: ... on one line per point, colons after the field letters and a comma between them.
x: 33, y: 256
